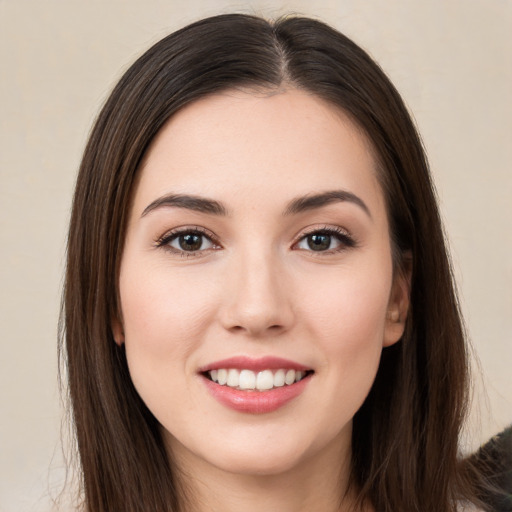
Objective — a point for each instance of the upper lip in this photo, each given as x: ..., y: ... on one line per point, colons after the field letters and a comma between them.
x: 255, y: 364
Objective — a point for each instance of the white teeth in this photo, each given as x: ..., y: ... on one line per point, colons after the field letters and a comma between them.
x: 290, y: 377
x: 233, y: 378
x: 279, y: 378
x: 265, y: 380
x: 222, y: 377
x: 262, y: 381
x: 247, y: 379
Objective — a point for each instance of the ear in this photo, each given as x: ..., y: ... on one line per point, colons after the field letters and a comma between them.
x: 117, y: 330
x: 398, y: 305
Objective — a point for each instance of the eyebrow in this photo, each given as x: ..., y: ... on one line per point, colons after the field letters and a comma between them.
x: 313, y: 201
x: 298, y: 205
x: 189, y: 202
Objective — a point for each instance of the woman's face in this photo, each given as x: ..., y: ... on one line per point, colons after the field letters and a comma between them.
x: 258, y: 251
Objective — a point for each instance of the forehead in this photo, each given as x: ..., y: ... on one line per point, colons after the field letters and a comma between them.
x: 281, y: 145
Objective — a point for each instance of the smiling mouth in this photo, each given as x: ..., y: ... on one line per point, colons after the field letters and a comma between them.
x: 248, y: 380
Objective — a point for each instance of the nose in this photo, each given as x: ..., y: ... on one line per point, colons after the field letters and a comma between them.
x: 258, y: 297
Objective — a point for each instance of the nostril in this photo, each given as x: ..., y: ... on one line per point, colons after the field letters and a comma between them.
x: 256, y: 330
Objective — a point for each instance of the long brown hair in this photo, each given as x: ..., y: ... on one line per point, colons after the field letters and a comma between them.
x: 405, y: 436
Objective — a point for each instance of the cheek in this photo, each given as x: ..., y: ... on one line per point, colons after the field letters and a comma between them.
x: 165, y: 321
x: 348, y: 321
x: 161, y: 308
x: 349, y: 308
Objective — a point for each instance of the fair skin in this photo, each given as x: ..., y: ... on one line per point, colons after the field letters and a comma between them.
x: 248, y: 268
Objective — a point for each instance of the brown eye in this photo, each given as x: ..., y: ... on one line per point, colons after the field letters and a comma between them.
x: 189, y: 241
x: 319, y: 242
x: 327, y: 240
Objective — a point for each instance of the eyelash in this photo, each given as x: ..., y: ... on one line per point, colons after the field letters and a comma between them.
x: 165, y: 241
x: 345, y: 240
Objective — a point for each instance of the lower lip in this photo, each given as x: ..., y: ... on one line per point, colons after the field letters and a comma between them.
x: 256, y: 402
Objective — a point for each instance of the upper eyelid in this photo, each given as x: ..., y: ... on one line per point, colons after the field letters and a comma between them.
x: 188, y: 229
x: 336, y: 230
x: 330, y: 229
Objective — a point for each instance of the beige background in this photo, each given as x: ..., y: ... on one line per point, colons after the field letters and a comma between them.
x: 452, y: 61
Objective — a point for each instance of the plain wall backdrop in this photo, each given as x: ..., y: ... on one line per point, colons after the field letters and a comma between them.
x: 452, y: 62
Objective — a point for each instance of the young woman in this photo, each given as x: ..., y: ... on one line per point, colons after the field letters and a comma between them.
x: 259, y: 308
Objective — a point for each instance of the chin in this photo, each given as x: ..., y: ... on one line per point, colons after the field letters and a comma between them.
x: 261, y: 457
x: 259, y: 464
